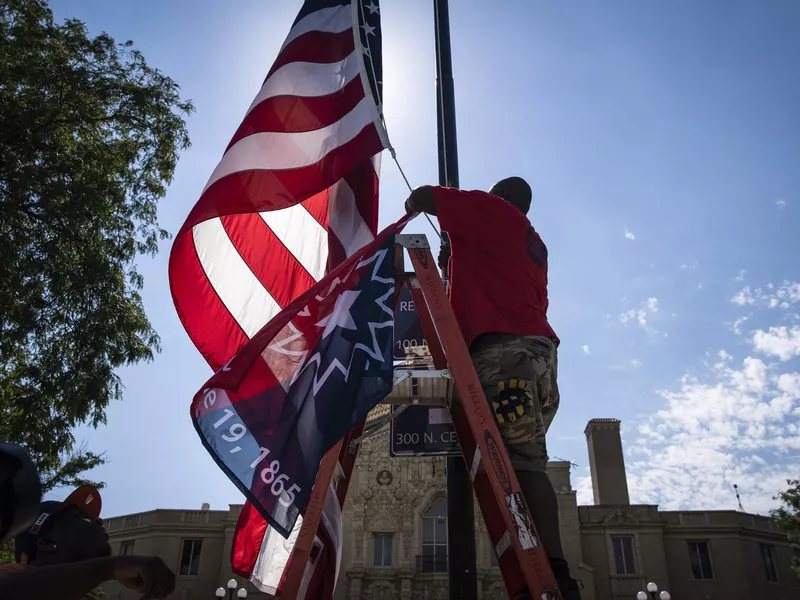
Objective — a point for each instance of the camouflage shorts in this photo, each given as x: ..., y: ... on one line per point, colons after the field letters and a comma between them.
x: 518, y: 375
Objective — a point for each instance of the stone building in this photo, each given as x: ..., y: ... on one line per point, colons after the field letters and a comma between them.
x: 395, y: 538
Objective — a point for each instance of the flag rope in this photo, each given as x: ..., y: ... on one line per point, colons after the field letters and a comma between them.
x: 410, y: 189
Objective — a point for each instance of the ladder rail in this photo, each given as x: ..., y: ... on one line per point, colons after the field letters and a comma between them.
x: 311, y: 521
x: 434, y: 345
x: 347, y: 458
x: 495, y: 481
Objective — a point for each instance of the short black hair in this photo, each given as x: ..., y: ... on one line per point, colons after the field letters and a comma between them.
x: 514, y: 190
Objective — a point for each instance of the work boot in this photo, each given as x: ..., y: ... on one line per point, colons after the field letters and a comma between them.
x: 569, y: 589
x: 567, y: 586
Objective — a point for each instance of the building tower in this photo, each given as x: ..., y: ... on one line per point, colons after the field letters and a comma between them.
x: 606, y: 462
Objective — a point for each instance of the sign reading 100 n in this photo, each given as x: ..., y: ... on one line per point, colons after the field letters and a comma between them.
x: 409, y: 341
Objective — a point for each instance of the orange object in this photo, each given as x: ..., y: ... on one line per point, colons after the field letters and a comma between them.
x: 88, y: 498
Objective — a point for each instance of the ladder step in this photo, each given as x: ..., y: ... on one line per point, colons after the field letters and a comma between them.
x: 503, y: 545
x: 421, y: 386
x: 476, y: 463
x: 338, y: 473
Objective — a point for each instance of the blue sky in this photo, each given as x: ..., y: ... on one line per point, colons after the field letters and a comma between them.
x: 662, y: 140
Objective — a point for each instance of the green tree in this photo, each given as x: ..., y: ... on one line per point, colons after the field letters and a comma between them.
x: 788, y: 518
x: 89, y: 139
x: 7, y: 552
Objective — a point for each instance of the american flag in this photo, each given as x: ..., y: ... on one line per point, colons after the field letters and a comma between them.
x: 295, y: 193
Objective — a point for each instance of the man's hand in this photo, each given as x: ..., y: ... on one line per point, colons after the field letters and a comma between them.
x: 146, y: 574
x: 421, y: 200
x: 444, y: 256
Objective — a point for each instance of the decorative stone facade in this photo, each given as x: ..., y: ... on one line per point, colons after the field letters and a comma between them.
x: 390, y: 495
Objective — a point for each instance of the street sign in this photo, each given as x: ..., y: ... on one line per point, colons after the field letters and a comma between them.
x: 423, y: 430
x: 409, y: 341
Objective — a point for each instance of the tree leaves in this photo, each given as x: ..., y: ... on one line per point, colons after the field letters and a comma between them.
x: 788, y: 518
x: 90, y: 139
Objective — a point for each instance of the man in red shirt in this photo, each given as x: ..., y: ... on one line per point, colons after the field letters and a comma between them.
x: 498, y: 289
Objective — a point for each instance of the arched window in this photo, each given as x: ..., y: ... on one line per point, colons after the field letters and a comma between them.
x: 434, y: 537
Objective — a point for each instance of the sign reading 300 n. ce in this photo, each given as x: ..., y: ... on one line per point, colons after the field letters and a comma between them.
x: 423, y: 430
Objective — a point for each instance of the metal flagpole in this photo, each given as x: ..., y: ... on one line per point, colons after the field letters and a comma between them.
x: 460, y: 508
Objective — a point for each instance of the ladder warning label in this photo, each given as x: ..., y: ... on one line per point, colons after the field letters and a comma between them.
x: 496, y: 457
x: 522, y: 521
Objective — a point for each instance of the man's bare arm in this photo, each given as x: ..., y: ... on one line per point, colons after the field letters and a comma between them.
x: 421, y: 200
x: 72, y: 581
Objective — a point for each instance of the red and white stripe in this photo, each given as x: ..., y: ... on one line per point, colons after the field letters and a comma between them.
x: 294, y: 194
x: 270, y: 553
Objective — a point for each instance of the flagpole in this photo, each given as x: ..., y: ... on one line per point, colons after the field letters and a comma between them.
x: 460, y: 509
x: 445, y: 98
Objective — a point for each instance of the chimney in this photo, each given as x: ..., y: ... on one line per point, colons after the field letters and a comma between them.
x: 606, y: 462
x: 558, y: 471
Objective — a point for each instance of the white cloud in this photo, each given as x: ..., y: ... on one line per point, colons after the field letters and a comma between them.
x: 736, y: 326
x: 641, y: 315
x: 629, y: 235
x: 735, y: 425
x: 583, y: 488
x: 789, y: 383
x: 781, y: 203
x: 783, y: 296
x: 699, y: 286
x: 585, y: 349
x: 735, y: 422
x: 781, y: 342
x: 635, y: 363
x: 745, y: 296
x: 690, y: 266
x: 786, y: 295
x: 740, y: 276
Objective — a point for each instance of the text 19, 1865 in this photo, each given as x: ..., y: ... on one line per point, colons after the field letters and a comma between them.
x: 270, y: 474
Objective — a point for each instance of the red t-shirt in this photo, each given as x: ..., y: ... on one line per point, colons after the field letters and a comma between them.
x: 498, y: 265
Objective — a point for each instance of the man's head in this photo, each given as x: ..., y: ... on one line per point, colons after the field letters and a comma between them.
x: 514, y: 190
x: 66, y: 531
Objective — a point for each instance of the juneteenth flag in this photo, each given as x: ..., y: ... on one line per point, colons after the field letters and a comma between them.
x: 294, y: 390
